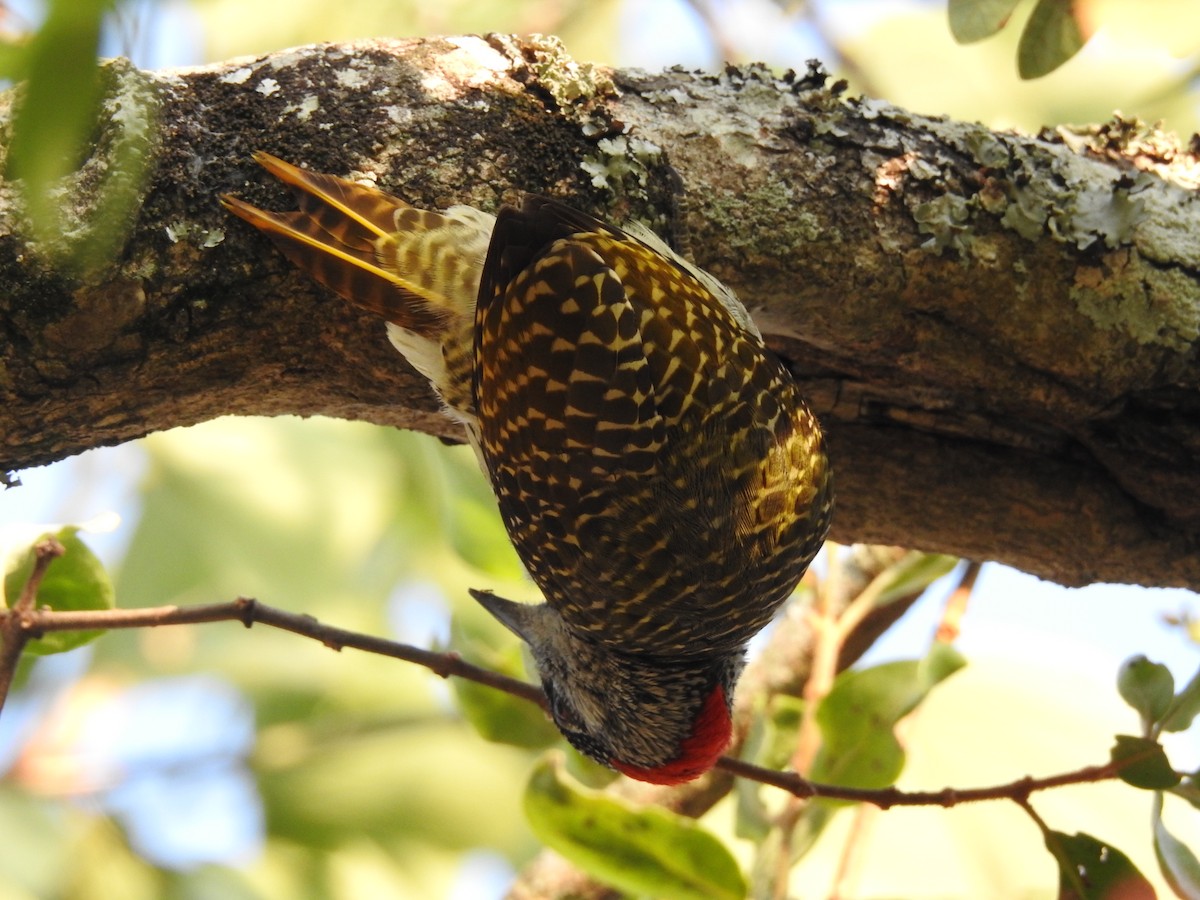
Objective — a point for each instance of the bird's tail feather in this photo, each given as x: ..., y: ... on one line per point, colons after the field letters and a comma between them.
x: 373, y: 249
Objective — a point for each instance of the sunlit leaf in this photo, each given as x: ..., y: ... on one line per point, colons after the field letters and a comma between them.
x: 770, y: 743
x: 1146, y: 686
x: 35, y: 850
x: 974, y: 20
x: 1052, y: 35
x: 63, y: 86
x: 424, y: 782
x: 501, y: 717
x: 913, y: 573
x: 14, y: 59
x: 1188, y: 789
x: 74, y: 581
x: 1089, y: 869
x: 1179, y: 865
x: 857, y: 720
x: 645, y: 851
x: 58, y: 106
x: 1149, y: 767
x: 857, y: 717
x: 1184, y: 707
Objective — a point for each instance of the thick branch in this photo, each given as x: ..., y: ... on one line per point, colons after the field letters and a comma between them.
x: 999, y: 331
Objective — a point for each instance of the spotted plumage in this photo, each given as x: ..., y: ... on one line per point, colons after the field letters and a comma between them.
x: 656, y: 468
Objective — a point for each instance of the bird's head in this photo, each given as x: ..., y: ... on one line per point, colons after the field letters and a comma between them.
x: 659, y: 720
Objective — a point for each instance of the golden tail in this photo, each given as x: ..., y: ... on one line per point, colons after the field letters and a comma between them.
x: 374, y: 249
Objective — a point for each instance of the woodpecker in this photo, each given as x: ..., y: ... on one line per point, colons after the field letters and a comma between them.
x: 656, y: 468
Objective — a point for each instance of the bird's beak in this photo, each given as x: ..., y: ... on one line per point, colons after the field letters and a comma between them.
x: 513, y: 616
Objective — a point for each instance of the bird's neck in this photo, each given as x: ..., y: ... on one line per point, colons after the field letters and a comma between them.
x: 711, y: 733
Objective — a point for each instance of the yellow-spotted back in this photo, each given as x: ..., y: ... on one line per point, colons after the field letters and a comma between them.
x: 657, y: 469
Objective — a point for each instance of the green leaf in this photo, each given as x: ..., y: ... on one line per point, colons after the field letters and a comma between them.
x: 1089, y: 869
x: 782, y: 725
x: 71, y: 114
x: 497, y: 716
x: 503, y: 718
x: 974, y: 20
x: 1146, y: 686
x: 14, y: 59
x: 74, y: 581
x: 1148, y: 766
x: 58, y: 108
x: 857, y: 720
x: 1179, y: 865
x: 1189, y: 790
x: 913, y: 573
x: 646, y: 851
x: 1052, y: 35
x: 770, y: 743
x: 1184, y: 708
x: 857, y: 717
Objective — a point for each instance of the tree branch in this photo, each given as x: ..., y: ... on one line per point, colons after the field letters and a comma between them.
x: 31, y: 623
x: 14, y: 623
x: 1000, y: 332
x: 249, y: 612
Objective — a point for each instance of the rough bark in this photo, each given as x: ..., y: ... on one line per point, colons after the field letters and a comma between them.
x: 999, y: 331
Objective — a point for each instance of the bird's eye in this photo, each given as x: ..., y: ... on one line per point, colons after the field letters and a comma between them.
x: 564, y: 714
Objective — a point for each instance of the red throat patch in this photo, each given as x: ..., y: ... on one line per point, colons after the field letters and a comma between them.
x: 698, y: 753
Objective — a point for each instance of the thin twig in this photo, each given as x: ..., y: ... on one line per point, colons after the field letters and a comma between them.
x: 14, y: 631
x: 886, y: 798
x: 956, y: 604
x: 852, y: 858
x: 249, y: 612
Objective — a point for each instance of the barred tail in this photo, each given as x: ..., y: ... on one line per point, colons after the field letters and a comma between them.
x: 372, y: 248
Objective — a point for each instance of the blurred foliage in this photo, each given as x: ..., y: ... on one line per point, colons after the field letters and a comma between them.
x: 293, y: 771
x: 1055, y: 32
x: 1089, y: 869
x: 1137, y: 62
x: 360, y: 763
x: 69, y: 108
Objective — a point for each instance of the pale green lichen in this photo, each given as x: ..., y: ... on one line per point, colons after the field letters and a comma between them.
x: 923, y: 170
x: 567, y: 81
x: 1069, y: 197
x: 1112, y: 217
x: 621, y: 163
x: 1026, y: 214
x: 947, y: 218
x: 987, y: 149
x: 1081, y: 216
x: 237, y: 76
x: 1159, y: 308
x: 304, y: 109
x: 204, y: 238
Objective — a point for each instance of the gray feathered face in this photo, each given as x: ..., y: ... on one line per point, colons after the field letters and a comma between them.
x: 656, y: 720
